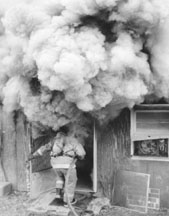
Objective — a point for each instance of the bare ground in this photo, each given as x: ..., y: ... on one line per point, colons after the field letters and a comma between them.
x: 17, y: 203
x: 14, y: 204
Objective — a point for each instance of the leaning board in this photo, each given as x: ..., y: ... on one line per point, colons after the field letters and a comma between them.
x: 131, y: 190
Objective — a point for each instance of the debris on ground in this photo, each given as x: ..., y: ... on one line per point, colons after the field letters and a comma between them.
x: 14, y: 204
x: 97, y: 204
x: 48, y: 204
x: 17, y: 204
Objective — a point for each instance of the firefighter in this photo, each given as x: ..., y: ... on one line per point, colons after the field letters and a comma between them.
x: 64, y: 149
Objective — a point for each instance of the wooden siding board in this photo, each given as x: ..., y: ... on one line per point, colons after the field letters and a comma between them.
x: 14, y: 149
x: 22, y: 140
x: 40, y: 163
x: 9, y: 149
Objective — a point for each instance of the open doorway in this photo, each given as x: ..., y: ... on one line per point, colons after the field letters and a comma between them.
x: 87, y: 168
x: 43, y: 176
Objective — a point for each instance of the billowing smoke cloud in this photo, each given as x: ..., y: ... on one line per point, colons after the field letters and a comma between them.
x: 60, y: 59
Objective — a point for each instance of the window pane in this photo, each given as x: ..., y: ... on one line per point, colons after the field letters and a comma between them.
x: 152, y: 121
x: 156, y: 148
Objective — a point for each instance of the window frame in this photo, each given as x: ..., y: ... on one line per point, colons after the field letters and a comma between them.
x: 136, y: 136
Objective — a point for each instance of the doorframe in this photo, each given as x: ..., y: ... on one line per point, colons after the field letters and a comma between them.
x: 94, y: 158
x: 94, y: 177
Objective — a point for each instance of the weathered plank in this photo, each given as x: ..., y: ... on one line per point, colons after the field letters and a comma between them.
x: 22, y: 143
x: 40, y: 163
x: 14, y: 149
x: 9, y: 148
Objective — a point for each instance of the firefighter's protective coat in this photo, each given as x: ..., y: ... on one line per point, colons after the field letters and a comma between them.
x: 63, y: 151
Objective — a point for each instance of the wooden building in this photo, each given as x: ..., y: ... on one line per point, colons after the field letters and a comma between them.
x: 14, y: 149
x: 137, y: 141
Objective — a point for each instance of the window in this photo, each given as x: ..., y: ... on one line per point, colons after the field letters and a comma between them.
x: 150, y: 132
x: 156, y: 147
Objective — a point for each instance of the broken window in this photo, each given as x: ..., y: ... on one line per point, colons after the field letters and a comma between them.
x: 150, y: 132
x: 156, y: 147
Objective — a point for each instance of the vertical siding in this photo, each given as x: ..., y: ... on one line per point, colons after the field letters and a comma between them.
x: 9, y: 149
x: 14, y: 142
x: 113, y: 151
x: 114, y: 154
x: 22, y: 150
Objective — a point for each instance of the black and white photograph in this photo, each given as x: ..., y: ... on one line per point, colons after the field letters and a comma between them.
x: 84, y: 107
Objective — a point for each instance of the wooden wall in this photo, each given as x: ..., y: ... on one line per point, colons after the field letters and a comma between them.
x: 15, y: 138
x: 114, y: 154
x: 113, y: 151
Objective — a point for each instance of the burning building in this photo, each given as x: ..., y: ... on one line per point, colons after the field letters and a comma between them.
x: 78, y: 63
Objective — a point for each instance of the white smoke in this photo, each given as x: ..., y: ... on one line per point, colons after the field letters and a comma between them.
x: 159, y: 47
x: 66, y: 57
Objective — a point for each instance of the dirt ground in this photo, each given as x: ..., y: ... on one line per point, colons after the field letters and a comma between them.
x: 14, y: 204
x: 17, y: 203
